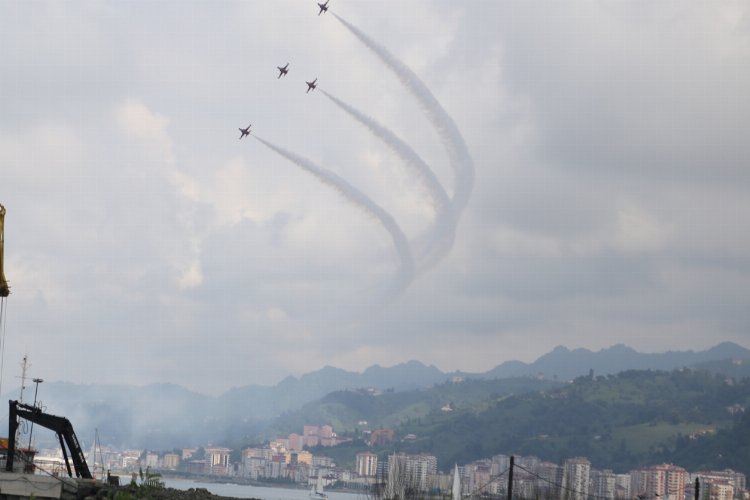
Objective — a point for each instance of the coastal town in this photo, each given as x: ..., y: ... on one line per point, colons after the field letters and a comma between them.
x: 288, y: 461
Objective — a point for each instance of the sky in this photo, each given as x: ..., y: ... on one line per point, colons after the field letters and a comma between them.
x: 471, y: 182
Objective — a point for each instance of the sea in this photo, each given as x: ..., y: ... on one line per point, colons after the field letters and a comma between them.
x: 262, y: 492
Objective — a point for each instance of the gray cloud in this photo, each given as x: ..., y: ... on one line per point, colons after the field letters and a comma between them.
x: 145, y: 243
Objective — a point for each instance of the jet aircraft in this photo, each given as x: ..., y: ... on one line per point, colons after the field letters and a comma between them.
x: 311, y: 85
x: 323, y: 7
x: 245, y: 131
x: 283, y: 70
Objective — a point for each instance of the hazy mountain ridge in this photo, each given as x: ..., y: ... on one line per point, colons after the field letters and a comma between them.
x: 563, y: 363
x: 567, y: 364
x: 635, y: 418
x: 162, y: 416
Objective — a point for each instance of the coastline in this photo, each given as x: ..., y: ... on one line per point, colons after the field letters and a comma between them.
x: 243, y: 481
x: 226, y: 489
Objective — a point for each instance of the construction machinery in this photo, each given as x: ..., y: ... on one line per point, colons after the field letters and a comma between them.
x: 4, y: 289
x: 60, y: 425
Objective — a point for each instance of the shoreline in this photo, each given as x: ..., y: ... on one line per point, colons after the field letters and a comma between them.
x: 264, y: 492
x: 258, y: 484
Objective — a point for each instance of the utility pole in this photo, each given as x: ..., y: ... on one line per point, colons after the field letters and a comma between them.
x: 697, y: 489
x: 510, y: 478
x: 37, y: 381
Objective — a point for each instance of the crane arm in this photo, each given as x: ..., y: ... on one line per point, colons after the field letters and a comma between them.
x: 4, y: 289
x: 60, y: 425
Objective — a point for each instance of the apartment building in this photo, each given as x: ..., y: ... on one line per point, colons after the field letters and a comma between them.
x: 667, y: 481
x: 217, y: 461
x: 623, y: 487
x: 410, y: 473
x: 638, y: 479
x: 500, y: 464
x: 719, y: 490
x: 575, y: 485
x: 279, y: 445
x: 254, y: 467
x: 550, y: 475
x: 327, y: 436
x: 310, y: 435
x: 298, y: 457
x: 603, y: 484
x: 367, y: 464
x: 736, y: 479
x: 381, y: 437
x: 296, y: 442
x: 152, y: 460
x: 170, y: 461
x: 477, y: 477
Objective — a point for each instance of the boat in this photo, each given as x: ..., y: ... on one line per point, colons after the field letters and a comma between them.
x: 317, y: 493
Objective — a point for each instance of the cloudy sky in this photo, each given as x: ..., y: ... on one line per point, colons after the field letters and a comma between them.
x: 571, y: 173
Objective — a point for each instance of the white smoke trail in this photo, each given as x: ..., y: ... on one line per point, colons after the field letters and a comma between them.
x: 406, y: 271
x: 443, y: 231
x: 451, y: 138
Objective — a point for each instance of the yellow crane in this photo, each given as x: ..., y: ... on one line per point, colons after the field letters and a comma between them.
x: 4, y: 289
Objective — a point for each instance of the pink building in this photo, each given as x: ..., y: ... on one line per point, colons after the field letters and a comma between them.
x: 667, y: 481
x: 380, y: 437
x: 310, y: 435
x: 296, y: 442
x: 327, y: 436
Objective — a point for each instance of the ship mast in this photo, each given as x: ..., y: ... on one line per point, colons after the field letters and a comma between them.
x: 24, y: 367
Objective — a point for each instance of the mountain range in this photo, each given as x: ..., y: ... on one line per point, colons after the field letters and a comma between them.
x: 568, y: 364
x: 165, y: 416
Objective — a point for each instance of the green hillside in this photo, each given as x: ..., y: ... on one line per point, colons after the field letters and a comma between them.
x: 344, y: 410
x: 619, y: 421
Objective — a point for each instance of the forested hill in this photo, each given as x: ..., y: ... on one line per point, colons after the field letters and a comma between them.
x: 691, y: 418
x: 346, y: 411
x: 619, y: 422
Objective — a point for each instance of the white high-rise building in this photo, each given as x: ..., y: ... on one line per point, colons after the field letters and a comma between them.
x: 736, y: 479
x: 550, y: 475
x: 367, y: 464
x: 623, y: 486
x: 575, y: 484
x: 603, y: 484
x: 410, y: 472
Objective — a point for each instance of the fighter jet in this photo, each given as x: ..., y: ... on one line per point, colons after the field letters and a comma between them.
x: 245, y: 131
x: 323, y: 7
x: 311, y: 85
x: 283, y: 71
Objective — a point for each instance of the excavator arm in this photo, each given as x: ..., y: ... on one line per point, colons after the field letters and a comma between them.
x: 60, y: 425
x: 4, y: 289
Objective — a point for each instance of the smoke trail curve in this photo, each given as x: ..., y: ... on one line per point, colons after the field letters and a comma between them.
x: 443, y: 231
x: 458, y: 153
x: 406, y: 271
